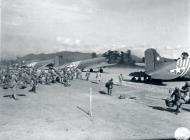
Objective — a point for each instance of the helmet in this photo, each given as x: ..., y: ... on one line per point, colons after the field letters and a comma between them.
x: 176, y: 88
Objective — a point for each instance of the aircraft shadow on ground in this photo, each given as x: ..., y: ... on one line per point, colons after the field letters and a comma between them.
x: 158, y: 83
x: 7, y: 96
x: 163, y: 109
x: 155, y: 83
x: 94, y: 82
x: 10, y: 96
x: 21, y: 94
x: 102, y: 92
x: 186, y: 109
x: 179, y: 79
x: 94, y: 71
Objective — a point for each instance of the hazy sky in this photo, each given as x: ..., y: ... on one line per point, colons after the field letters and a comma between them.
x: 41, y: 26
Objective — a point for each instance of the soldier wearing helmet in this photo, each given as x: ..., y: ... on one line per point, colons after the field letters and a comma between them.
x: 177, y: 99
x: 109, y: 86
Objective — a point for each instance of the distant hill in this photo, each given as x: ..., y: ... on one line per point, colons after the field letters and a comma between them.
x: 67, y: 56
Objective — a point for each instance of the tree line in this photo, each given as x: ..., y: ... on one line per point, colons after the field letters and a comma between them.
x: 119, y: 57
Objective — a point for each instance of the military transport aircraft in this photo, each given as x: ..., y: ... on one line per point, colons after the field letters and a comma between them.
x: 98, y: 62
x: 40, y: 64
x: 160, y: 68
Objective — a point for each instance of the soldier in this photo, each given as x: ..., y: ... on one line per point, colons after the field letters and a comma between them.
x: 43, y: 78
x: 186, y: 87
x: 47, y: 79
x: 120, y: 79
x: 87, y: 75
x: 109, y: 86
x: 66, y: 80
x: 98, y: 77
x: 177, y: 99
x: 12, y: 84
x: 6, y: 80
x: 72, y: 73
x: 186, y: 90
x: 33, y: 83
x: 79, y: 74
x: 3, y: 78
x: 69, y: 74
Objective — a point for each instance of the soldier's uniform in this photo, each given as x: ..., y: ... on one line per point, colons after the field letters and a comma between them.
x: 78, y: 74
x: 87, y: 75
x: 186, y: 90
x: 47, y: 79
x: 109, y: 86
x: 72, y: 73
x: 12, y: 84
x: 178, y: 101
x: 33, y: 82
x: 186, y: 87
x: 120, y: 79
x: 98, y: 77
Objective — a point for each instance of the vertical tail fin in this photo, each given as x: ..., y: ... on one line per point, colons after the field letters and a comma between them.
x: 152, y: 60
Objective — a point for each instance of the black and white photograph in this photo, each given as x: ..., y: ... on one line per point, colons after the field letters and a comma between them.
x: 95, y: 70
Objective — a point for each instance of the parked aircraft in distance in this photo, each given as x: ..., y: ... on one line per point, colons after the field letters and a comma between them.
x: 98, y: 62
x: 40, y: 64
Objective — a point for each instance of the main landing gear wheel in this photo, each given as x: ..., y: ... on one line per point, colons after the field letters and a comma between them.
x: 101, y: 70
x: 91, y: 70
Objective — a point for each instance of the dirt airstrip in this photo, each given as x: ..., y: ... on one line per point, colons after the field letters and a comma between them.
x: 56, y: 112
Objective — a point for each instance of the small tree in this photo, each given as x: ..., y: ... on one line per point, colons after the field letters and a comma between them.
x: 112, y: 56
x: 94, y: 55
x: 122, y: 58
x: 108, y: 55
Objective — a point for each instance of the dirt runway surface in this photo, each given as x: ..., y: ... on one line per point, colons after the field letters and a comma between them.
x: 56, y: 112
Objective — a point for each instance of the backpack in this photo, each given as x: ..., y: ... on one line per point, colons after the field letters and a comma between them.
x: 107, y: 84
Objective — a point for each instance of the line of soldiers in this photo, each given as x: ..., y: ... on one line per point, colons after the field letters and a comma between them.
x: 17, y: 78
x: 14, y: 78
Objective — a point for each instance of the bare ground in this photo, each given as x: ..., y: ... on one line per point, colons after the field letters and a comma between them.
x: 56, y: 112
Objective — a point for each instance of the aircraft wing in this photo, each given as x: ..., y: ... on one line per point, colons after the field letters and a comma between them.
x: 32, y: 64
x: 70, y: 65
x: 88, y: 63
x: 43, y: 67
x: 62, y: 66
x: 100, y: 65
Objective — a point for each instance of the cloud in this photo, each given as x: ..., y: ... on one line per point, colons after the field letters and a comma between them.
x: 77, y: 42
x: 93, y: 25
x: 68, y: 41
